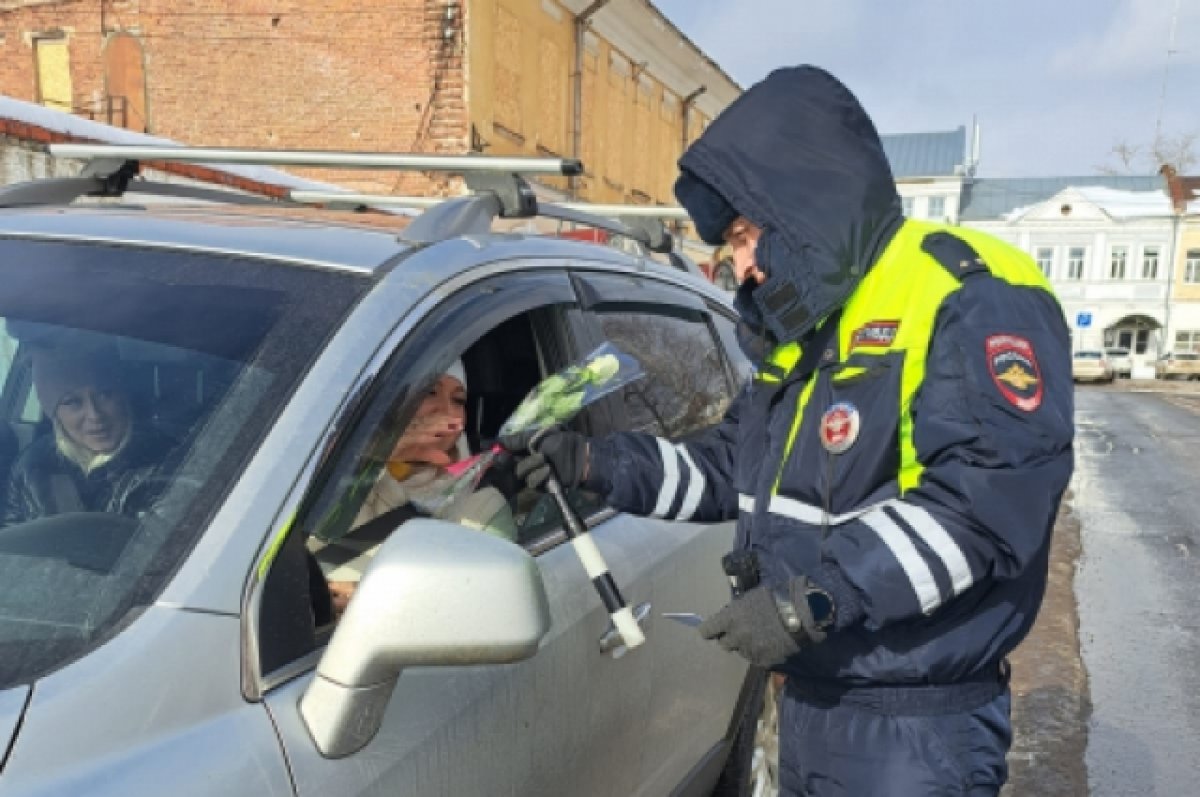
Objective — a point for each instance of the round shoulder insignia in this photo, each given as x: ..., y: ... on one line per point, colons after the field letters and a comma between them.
x: 839, y: 427
x: 1014, y: 369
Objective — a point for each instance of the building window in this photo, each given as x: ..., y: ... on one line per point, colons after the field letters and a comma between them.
x: 937, y: 207
x: 1116, y: 262
x: 1150, y: 262
x: 53, y: 64
x: 906, y: 206
x: 1075, y: 258
x: 1045, y: 259
x: 1187, y: 340
x: 1191, y: 271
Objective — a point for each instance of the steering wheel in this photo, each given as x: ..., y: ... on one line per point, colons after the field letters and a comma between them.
x: 87, y: 540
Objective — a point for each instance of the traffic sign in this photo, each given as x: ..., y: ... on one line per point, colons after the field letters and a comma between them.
x: 1083, y: 319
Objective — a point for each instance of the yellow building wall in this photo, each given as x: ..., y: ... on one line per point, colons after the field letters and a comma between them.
x: 521, y: 58
x: 1189, y: 242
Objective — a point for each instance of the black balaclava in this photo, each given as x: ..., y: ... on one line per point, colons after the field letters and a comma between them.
x: 798, y: 156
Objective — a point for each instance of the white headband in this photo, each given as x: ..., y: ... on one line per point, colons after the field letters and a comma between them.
x: 458, y: 371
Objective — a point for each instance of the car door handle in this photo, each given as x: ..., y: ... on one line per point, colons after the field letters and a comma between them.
x: 611, y: 643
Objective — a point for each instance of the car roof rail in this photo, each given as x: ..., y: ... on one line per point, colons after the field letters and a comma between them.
x: 110, y: 168
x: 334, y: 159
x: 473, y: 214
x: 499, y: 189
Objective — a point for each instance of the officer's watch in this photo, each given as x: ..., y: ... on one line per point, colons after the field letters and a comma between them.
x: 820, y: 603
x: 820, y: 607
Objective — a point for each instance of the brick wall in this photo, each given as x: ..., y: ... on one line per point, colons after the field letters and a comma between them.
x: 77, y: 20
x: 363, y: 75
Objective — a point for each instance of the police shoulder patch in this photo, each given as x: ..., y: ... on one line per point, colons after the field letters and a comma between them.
x: 1014, y: 368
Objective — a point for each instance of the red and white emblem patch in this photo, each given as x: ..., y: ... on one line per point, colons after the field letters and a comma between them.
x: 877, y: 334
x: 1014, y: 368
x: 839, y: 427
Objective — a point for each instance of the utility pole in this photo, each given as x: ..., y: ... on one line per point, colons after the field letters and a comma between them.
x: 1162, y: 98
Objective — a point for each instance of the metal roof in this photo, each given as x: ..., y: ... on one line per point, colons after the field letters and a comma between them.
x: 986, y: 199
x: 938, y: 154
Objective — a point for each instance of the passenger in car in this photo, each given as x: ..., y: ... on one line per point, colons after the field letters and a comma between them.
x: 414, y: 483
x: 416, y: 472
x: 99, y: 457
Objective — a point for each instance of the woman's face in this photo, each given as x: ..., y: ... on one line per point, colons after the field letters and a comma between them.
x: 441, y: 418
x: 96, y: 418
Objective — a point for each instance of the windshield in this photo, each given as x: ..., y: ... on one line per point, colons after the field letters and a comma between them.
x: 135, y: 384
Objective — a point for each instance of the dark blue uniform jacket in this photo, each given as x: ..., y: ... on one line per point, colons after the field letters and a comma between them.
x: 934, y: 586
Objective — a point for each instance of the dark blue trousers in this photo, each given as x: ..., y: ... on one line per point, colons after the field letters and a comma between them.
x: 856, y: 748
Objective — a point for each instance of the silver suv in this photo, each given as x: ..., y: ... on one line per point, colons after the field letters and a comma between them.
x: 179, y: 637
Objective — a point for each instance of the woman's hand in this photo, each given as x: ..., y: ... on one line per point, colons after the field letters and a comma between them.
x: 340, y: 592
x: 429, y: 439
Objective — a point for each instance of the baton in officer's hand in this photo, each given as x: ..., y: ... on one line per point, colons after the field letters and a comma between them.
x: 597, y: 569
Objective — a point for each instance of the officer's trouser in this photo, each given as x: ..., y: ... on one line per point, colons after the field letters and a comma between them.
x: 894, y: 743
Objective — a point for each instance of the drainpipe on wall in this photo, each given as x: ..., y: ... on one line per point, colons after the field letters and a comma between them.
x: 582, y: 23
x: 684, y: 107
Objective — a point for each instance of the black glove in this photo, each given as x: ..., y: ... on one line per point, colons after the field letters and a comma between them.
x: 753, y: 625
x: 554, y: 448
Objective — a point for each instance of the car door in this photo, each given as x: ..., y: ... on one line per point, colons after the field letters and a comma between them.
x: 572, y: 719
x: 689, y: 384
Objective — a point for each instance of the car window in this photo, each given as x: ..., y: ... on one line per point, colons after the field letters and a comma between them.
x: 687, y: 386
x: 726, y: 328
x: 154, y: 374
x: 1088, y: 355
x: 508, y: 334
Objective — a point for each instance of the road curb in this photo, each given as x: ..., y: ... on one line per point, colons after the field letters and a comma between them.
x: 1051, y: 702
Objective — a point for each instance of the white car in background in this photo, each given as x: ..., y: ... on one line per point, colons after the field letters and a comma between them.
x: 1121, y: 362
x: 1091, y: 365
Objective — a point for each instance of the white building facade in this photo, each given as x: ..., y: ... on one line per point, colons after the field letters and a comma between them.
x: 1109, y: 255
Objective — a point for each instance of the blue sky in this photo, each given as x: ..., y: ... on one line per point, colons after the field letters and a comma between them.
x: 1054, y: 83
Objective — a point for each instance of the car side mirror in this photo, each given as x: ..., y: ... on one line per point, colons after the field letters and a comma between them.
x: 436, y: 593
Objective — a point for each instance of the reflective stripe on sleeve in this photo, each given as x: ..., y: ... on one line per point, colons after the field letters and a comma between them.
x: 909, y: 558
x: 940, y: 541
x: 696, y: 485
x: 670, y: 483
x: 746, y: 503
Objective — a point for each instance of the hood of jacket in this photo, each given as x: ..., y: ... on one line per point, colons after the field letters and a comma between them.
x: 798, y: 156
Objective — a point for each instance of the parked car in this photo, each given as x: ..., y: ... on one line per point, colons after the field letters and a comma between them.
x: 192, y: 648
x: 1121, y: 362
x: 1178, y: 365
x: 1088, y: 365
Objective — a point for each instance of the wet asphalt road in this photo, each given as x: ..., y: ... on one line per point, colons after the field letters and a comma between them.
x: 1137, y: 495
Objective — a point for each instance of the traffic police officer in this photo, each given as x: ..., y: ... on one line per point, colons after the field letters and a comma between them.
x: 895, y: 466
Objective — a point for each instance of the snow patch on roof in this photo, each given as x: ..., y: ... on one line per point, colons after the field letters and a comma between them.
x: 1116, y: 203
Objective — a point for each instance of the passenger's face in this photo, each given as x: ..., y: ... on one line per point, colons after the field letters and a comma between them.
x: 432, y: 434
x: 96, y: 418
x: 742, y: 237
x: 443, y: 411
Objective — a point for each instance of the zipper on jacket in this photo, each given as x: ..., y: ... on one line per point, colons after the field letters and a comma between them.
x: 827, y: 497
